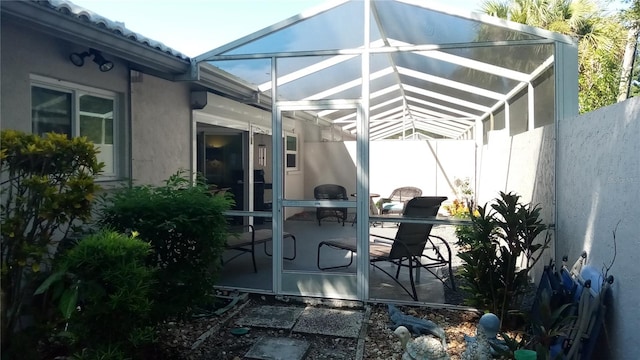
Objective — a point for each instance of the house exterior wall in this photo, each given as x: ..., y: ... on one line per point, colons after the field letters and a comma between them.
x: 161, y: 138
x: 598, y: 178
x: 24, y: 52
x: 160, y: 128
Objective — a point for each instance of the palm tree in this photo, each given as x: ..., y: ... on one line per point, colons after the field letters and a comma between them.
x: 631, y: 17
x: 600, y: 37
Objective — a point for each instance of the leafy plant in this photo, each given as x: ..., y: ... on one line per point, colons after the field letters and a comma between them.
x: 47, y: 187
x: 549, y: 325
x: 103, y: 290
x: 499, y: 235
x: 187, y: 230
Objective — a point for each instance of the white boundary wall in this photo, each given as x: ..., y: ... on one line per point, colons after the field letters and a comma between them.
x: 598, y: 178
x: 521, y: 164
x: 431, y: 166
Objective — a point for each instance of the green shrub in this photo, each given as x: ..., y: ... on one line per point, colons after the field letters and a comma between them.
x: 187, y: 230
x: 103, y: 290
x: 490, y: 248
x: 47, y: 186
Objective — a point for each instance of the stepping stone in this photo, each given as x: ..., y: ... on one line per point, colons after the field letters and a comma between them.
x: 278, y: 349
x: 334, y: 322
x: 276, y: 317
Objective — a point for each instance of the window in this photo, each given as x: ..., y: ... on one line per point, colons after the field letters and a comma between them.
x: 291, y: 152
x: 77, y: 111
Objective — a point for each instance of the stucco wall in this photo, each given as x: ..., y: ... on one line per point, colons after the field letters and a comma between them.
x: 161, y: 128
x: 523, y: 164
x: 598, y: 189
x: 24, y: 52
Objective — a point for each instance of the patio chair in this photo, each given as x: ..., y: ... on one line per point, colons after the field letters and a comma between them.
x: 330, y: 192
x: 413, y: 246
x: 395, y: 203
x: 246, y: 241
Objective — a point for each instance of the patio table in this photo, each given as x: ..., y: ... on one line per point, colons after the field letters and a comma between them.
x: 372, y: 206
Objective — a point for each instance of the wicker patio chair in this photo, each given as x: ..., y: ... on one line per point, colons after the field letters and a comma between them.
x: 330, y: 192
x: 395, y: 203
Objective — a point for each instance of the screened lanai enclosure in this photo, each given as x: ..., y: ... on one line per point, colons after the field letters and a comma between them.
x: 370, y: 97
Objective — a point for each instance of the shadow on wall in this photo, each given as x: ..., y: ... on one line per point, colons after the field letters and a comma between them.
x: 524, y: 164
x: 598, y: 186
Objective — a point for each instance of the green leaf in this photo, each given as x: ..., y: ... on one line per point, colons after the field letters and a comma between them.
x: 68, y: 302
x: 53, y: 278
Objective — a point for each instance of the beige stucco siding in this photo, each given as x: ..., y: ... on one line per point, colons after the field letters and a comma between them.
x: 161, y: 129
x: 25, y: 52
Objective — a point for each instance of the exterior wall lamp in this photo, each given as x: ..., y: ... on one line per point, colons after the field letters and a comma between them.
x: 78, y: 59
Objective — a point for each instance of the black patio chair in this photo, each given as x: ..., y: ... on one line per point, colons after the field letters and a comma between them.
x: 330, y: 192
x: 413, y: 246
x: 246, y: 242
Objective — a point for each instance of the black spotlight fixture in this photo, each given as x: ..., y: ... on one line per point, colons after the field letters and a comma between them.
x: 78, y: 59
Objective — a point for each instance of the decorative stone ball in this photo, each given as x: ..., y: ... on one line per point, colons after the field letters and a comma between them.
x: 425, y: 348
x: 491, y: 324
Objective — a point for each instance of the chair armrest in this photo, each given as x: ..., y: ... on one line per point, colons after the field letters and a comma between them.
x: 446, y: 244
x: 384, y: 239
x: 240, y: 229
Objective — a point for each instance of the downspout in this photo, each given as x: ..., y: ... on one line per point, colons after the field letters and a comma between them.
x: 129, y: 130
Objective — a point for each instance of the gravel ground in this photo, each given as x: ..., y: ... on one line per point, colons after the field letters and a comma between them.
x: 210, y: 337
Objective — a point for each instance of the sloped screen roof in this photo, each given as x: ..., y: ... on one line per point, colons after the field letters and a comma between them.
x: 432, y: 70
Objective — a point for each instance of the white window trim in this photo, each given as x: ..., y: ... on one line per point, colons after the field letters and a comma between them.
x: 295, y: 152
x: 77, y: 90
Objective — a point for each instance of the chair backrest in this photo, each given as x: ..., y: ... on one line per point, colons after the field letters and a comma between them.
x: 411, y: 238
x: 404, y: 194
x: 330, y: 191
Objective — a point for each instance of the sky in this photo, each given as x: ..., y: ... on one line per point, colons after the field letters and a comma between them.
x: 194, y: 27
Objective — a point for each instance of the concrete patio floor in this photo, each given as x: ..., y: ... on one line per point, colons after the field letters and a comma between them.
x: 238, y: 274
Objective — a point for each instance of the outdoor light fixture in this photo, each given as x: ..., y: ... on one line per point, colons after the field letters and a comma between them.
x: 78, y: 59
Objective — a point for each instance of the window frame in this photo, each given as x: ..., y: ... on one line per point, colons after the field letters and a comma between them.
x: 288, y: 152
x: 76, y: 91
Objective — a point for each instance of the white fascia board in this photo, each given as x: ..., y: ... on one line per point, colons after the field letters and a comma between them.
x: 225, y: 112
